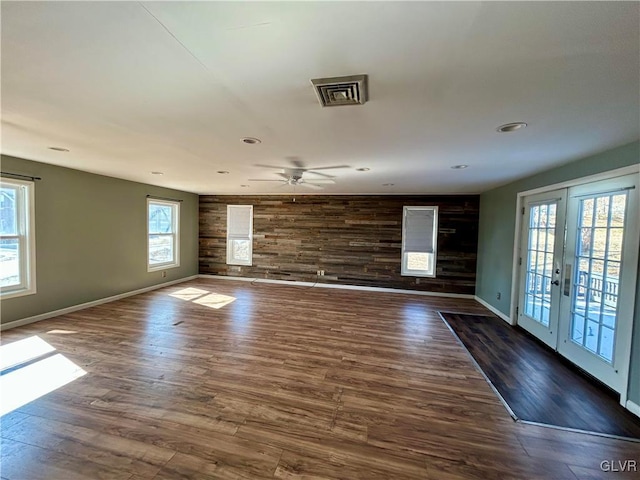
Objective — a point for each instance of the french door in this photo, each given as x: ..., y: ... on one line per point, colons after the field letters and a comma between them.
x: 541, y: 264
x: 578, y: 276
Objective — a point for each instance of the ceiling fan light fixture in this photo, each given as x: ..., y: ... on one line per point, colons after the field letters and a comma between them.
x: 299, y: 175
x: 511, y: 127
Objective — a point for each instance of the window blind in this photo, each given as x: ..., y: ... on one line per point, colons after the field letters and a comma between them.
x: 419, y: 231
x: 239, y: 220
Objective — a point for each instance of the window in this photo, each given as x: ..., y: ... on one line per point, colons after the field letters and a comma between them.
x: 163, y: 234
x: 17, y: 238
x: 419, y: 239
x: 239, y: 234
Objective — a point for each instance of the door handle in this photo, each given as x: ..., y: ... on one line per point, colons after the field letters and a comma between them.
x: 555, y: 282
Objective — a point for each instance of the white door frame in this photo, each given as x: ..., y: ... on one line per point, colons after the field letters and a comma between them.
x: 546, y: 333
x: 515, y: 273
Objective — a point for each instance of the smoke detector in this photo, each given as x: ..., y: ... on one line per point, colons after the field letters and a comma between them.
x: 338, y: 91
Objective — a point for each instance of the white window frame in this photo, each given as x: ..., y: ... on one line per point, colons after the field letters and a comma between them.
x: 175, y: 221
x: 405, y: 270
x: 231, y: 237
x: 25, y: 219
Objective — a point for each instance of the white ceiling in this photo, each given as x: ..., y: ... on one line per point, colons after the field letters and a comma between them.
x: 131, y: 88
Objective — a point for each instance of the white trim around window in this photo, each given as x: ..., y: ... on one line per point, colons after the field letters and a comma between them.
x: 163, y: 234
x: 240, y: 235
x: 419, y: 241
x: 18, y: 238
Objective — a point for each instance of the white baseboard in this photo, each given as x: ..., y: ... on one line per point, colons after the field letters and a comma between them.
x: 339, y: 286
x: 82, y: 306
x: 633, y: 408
x: 493, y: 310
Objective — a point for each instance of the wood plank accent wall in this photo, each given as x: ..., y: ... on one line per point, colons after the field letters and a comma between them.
x: 356, y: 240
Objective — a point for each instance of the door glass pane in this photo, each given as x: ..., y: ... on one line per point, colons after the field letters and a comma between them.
x: 591, y: 339
x: 606, y: 342
x: 595, y: 284
x: 578, y: 327
x: 542, y: 224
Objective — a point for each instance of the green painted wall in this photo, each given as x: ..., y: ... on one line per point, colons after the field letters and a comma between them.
x: 496, y: 234
x: 91, y: 238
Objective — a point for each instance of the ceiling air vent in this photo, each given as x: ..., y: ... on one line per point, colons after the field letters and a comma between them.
x: 334, y: 92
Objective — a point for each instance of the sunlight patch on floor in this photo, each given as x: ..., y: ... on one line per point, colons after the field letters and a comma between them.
x: 214, y: 300
x: 22, y: 351
x: 37, y: 377
x: 62, y: 332
x: 203, y: 297
x: 188, y: 293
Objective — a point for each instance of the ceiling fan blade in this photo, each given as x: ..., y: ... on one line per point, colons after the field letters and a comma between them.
x: 319, y: 180
x: 270, y: 166
x: 295, y: 161
x: 284, y: 175
x: 264, y: 180
x: 328, y: 168
x: 319, y: 174
x: 311, y: 185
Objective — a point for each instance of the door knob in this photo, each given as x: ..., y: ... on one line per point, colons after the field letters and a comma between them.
x: 555, y: 282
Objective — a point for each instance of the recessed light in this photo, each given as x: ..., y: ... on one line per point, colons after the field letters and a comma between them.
x: 222, y: 172
x: 157, y: 173
x: 59, y: 149
x: 511, y: 127
x: 244, y: 186
x: 364, y: 169
x: 388, y: 184
x: 459, y: 167
x: 251, y: 140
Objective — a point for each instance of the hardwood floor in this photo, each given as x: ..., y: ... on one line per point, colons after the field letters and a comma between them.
x: 223, y: 379
x: 536, y: 384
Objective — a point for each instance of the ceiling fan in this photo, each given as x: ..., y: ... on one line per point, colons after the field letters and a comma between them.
x: 294, y: 174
